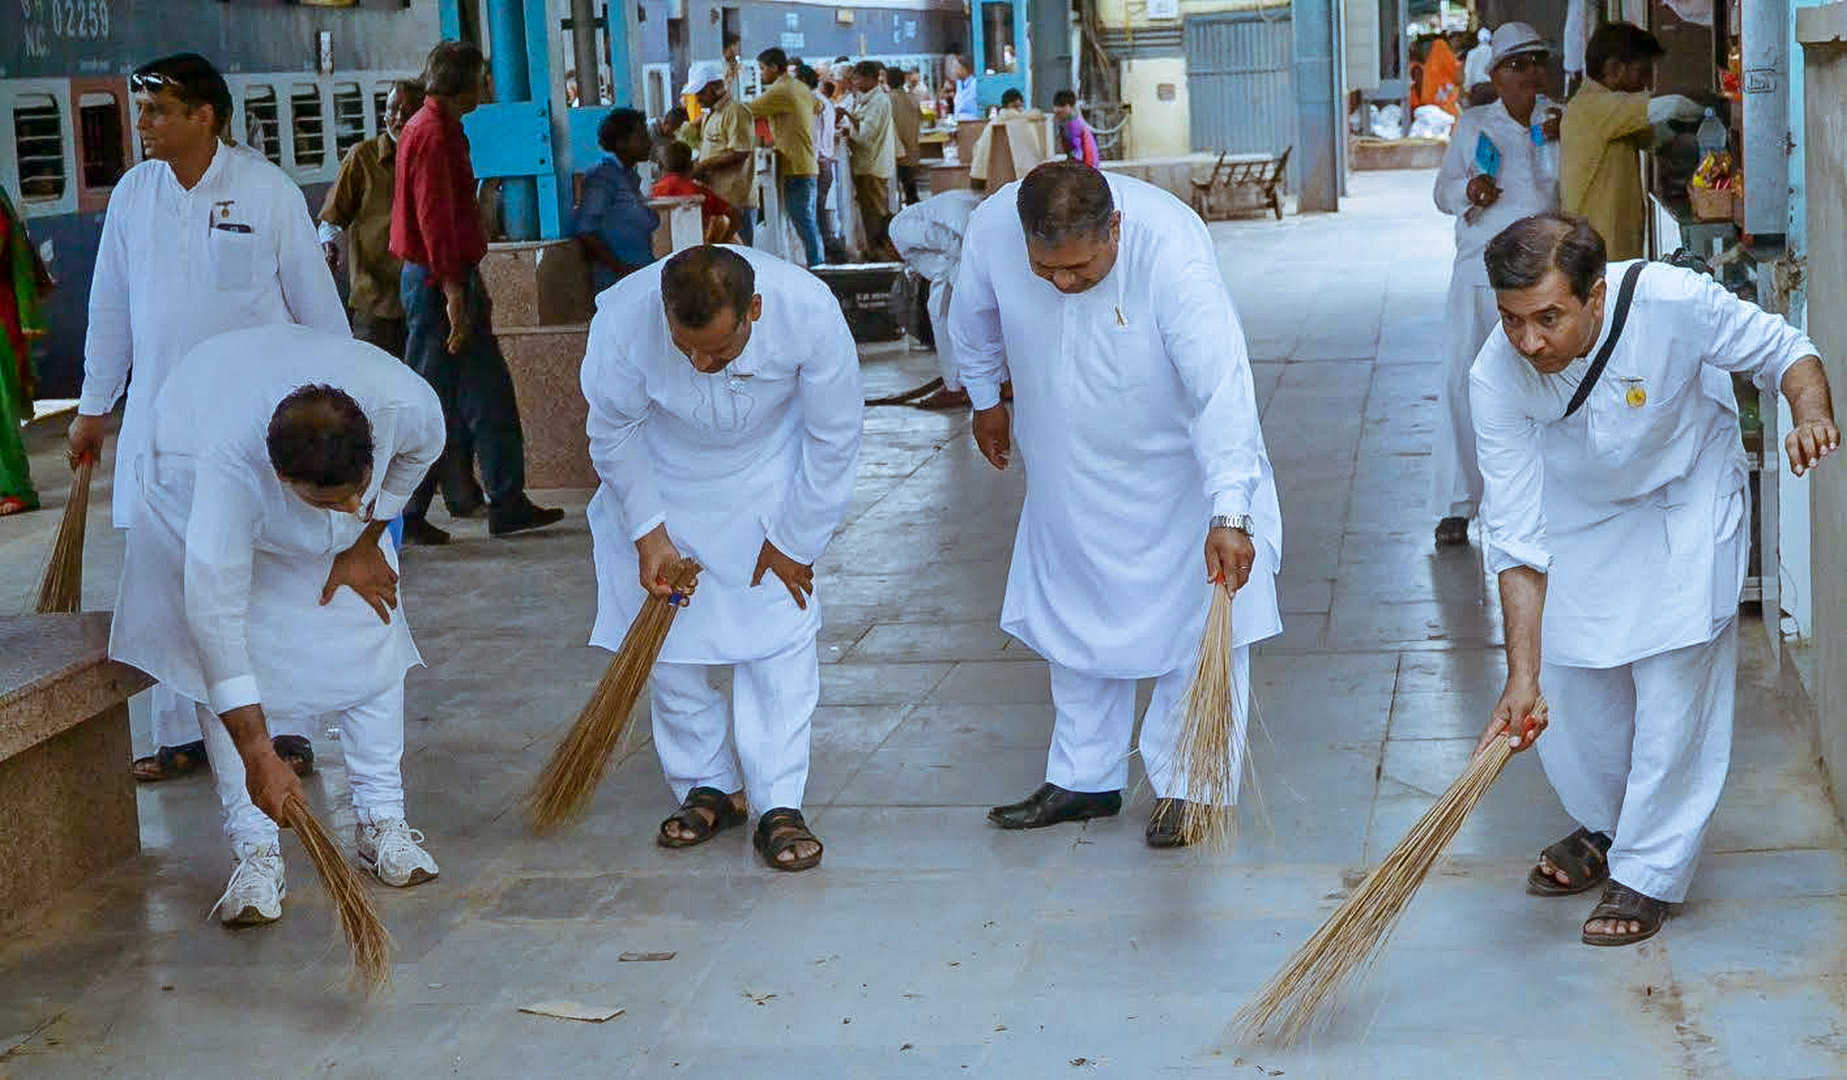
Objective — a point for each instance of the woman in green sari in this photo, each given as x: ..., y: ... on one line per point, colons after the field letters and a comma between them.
x: 21, y: 320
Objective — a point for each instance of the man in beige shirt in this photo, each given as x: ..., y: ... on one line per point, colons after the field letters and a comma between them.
x: 791, y: 107
x: 907, y: 120
x: 1611, y: 118
x: 727, y: 145
x: 874, y: 160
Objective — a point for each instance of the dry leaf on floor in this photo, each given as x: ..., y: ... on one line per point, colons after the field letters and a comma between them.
x: 645, y: 957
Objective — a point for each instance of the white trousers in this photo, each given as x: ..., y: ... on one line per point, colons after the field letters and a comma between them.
x: 759, y: 744
x: 1640, y: 752
x: 1096, y: 719
x: 371, y: 739
x: 937, y: 306
x: 1455, y: 487
x: 174, y: 719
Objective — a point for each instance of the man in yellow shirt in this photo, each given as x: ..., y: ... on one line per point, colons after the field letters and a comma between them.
x: 727, y: 145
x: 1611, y: 118
x: 790, y: 107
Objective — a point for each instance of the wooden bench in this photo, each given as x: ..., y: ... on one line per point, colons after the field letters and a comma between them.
x: 67, y: 800
x: 1241, y: 182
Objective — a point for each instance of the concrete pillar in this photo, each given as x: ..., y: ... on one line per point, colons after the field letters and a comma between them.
x: 1320, y: 110
x: 584, y: 53
x: 513, y: 82
x: 1765, y: 60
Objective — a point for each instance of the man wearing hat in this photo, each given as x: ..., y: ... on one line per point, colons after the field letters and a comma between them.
x: 1485, y: 197
x: 727, y: 145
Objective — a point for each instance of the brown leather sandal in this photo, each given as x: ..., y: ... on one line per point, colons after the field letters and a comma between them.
x: 1623, y: 904
x: 780, y: 830
x: 706, y: 812
x: 1583, y: 857
x: 170, y: 763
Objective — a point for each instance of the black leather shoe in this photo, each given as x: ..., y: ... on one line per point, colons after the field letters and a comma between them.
x: 419, y: 531
x: 520, y: 517
x: 1052, y: 804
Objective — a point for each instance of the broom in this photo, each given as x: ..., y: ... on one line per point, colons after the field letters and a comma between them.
x: 1299, y: 996
x: 1210, y: 752
x: 61, y: 592
x: 367, y: 940
x: 576, y: 767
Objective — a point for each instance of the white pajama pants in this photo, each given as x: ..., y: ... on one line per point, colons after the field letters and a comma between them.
x: 937, y: 307
x: 1640, y: 752
x: 371, y: 740
x: 1455, y: 483
x: 759, y: 744
x: 1096, y: 718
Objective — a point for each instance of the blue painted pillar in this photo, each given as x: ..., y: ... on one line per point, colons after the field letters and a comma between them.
x: 506, y: 20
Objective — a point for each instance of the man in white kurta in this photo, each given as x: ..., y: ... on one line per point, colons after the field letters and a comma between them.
x: 200, y: 238
x: 1620, y: 535
x: 1525, y: 183
x: 1135, y: 416
x: 725, y: 406
x: 928, y: 236
x: 266, y: 591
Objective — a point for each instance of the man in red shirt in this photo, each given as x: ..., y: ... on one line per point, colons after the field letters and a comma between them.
x: 436, y: 230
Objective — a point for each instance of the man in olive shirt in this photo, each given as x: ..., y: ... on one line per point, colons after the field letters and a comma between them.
x: 907, y: 121
x: 727, y: 145
x: 874, y: 158
x: 359, y: 204
x: 1610, y: 119
x: 790, y: 107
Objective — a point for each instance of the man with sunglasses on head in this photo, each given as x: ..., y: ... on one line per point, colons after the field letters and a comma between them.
x: 724, y: 424
x: 199, y: 238
x: 1147, y: 481
x: 1494, y: 173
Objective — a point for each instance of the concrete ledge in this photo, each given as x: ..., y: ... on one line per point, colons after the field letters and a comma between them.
x: 544, y: 362
x: 1374, y: 155
x: 67, y: 805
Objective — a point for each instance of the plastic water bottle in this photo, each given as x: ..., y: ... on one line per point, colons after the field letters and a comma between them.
x: 1546, y: 152
x: 1712, y: 136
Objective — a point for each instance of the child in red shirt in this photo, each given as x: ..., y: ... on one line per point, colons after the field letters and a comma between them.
x: 675, y: 181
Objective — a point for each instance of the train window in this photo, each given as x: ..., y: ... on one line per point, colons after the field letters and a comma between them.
x: 99, y: 117
x: 262, y: 124
x: 38, y: 137
x: 308, y: 125
x: 349, y: 118
x: 379, y: 97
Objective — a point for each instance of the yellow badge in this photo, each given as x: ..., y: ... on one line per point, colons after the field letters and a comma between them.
x: 1636, y: 397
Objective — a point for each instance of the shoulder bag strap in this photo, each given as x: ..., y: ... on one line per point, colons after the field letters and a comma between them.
x: 1624, y: 297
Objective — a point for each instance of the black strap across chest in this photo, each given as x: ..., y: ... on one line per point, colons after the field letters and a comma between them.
x: 1624, y: 297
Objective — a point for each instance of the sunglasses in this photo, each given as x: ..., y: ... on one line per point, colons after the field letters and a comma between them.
x: 151, y: 83
x: 1525, y: 61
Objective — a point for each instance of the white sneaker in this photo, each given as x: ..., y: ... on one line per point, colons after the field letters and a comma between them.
x: 392, y: 850
x: 257, y: 889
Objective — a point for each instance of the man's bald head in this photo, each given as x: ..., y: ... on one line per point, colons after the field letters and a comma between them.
x: 320, y: 438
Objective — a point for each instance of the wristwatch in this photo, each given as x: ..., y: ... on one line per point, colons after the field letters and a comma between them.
x: 1240, y: 522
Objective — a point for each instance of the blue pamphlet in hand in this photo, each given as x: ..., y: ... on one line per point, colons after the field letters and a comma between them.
x: 1487, y: 156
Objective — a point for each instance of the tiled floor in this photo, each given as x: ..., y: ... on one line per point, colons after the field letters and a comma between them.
x: 929, y: 944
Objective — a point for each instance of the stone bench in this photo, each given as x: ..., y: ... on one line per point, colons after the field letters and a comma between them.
x: 67, y: 800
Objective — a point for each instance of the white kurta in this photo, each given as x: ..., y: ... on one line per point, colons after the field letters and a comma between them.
x: 928, y: 236
x: 766, y: 448
x: 1634, y: 507
x: 1136, y: 422
x: 176, y: 267
x: 1527, y: 187
x: 221, y: 584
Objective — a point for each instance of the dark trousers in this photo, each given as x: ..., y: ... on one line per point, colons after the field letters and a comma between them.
x: 454, y: 471
x: 907, y: 181
x: 473, y: 385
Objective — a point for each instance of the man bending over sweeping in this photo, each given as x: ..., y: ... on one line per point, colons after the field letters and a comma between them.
x: 257, y: 578
x: 724, y: 423
x: 1138, y: 425
x: 1616, y: 516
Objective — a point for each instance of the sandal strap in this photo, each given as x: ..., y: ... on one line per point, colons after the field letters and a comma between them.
x: 782, y: 819
x: 1582, y: 856
x: 712, y: 801
x: 1620, y: 902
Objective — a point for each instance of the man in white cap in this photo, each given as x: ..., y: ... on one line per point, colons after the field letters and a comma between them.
x: 727, y: 145
x: 1617, y: 520
x: 1479, y: 62
x: 1493, y: 175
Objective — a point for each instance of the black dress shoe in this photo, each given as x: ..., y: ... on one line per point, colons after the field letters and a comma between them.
x: 520, y: 517
x: 419, y: 531
x: 1052, y: 804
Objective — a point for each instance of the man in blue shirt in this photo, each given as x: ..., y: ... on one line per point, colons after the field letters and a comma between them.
x: 614, y: 223
x: 968, y: 103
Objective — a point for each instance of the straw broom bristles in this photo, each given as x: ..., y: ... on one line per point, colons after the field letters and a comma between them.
x: 564, y: 789
x: 367, y: 940
x: 1210, y: 752
x: 1302, y: 993
x: 61, y: 591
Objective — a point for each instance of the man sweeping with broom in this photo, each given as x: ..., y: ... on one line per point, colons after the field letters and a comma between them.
x: 725, y: 408
x: 256, y: 580
x: 1616, y: 516
x: 1138, y: 424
